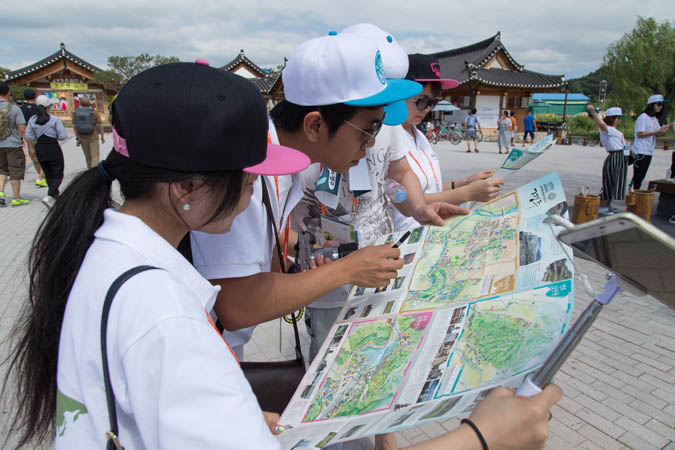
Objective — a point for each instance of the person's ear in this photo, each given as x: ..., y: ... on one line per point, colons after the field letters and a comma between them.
x: 184, y: 191
x: 312, y: 126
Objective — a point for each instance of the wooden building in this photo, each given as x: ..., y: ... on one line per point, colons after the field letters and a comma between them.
x: 64, y: 77
x: 270, y: 85
x: 491, y: 80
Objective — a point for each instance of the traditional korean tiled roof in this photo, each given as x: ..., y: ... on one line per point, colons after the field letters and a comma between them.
x: 61, y: 54
x: 267, y: 84
x: 241, y: 58
x: 467, y: 64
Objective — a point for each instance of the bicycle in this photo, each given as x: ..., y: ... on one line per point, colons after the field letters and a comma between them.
x: 450, y: 133
x: 432, y: 135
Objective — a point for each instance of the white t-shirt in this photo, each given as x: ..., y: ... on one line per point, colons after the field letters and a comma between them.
x: 645, y: 145
x: 176, y: 383
x: 248, y: 247
x: 374, y: 216
x: 613, y: 140
x: 424, y: 162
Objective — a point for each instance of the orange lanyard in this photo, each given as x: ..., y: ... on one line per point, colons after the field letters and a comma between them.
x: 281, y: 216
x: 288, y: 221
x: 433, y: 172
x: 208, y: 316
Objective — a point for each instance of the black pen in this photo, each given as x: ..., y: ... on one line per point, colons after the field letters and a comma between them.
x: 402, y: 240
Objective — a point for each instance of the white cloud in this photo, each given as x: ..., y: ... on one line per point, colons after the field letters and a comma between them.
x: 558, y: 37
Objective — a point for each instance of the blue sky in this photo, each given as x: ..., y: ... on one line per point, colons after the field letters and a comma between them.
x: 555, y: 37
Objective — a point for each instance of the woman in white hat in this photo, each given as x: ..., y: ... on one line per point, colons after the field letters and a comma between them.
x: 615, y: 166
x: 647, y: 127
x: 47, y: 130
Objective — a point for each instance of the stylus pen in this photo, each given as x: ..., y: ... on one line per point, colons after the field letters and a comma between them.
x: 402, y: 240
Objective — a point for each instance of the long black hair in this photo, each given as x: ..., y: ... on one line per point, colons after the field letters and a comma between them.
x: 650, y: 110
x: 42, y: 115
x: 55, y: 257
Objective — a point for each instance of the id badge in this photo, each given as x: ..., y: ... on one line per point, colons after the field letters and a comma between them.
x: 337, y: 231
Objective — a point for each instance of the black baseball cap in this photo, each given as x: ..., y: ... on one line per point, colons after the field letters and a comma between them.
x: 192, y: 117
x: 425, y: 68
x: 28, y: 94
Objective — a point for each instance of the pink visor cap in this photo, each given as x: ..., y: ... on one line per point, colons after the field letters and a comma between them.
x: 280, y: 160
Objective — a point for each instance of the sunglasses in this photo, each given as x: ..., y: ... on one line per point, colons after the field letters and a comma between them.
x: 425, y: 102
x: 377, y: 126
x: 659, y: 104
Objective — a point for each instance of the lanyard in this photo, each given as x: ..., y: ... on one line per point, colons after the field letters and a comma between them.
x: 281, y: 216
x: 208, y: 316
x: 288, y: 221
x: 433, y: 172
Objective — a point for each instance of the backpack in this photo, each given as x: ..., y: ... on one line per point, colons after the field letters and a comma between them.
x: 471, y: 121
x: 5, y: 125
x: 84, y: 120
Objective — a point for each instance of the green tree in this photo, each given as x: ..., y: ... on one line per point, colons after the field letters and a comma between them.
x: 590, y: 84
x: 122, y: 68
x: 642, y: 63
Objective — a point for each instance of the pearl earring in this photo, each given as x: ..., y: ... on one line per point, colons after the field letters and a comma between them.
x: 187, y: 207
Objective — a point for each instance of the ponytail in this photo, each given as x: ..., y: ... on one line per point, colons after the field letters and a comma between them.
x: 42, y: 115
x: 55, y: 257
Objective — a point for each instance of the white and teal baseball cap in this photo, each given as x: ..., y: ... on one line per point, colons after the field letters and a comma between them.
x: 342, y: 68
x: 394, y: 62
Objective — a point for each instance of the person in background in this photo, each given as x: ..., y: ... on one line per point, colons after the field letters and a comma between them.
x: 29, y: 109
x: 504, y: 137
x: 47, y: 130
x: 514, y: 126
x: 614, y: 168
x: 471, y: 123
x: 12, y: 158
x: 530, y: 124
x: 647, y: 127
x: 88, y: 127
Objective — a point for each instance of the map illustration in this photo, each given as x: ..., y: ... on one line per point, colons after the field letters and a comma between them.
x: 370, y: 366
x: 480, y: 302
x: 468, y: 258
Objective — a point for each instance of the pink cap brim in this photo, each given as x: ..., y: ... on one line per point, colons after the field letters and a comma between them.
x: 446, y: 83
x: 280, y: 160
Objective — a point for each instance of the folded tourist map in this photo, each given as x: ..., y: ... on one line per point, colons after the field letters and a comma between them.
x: 479, y: 303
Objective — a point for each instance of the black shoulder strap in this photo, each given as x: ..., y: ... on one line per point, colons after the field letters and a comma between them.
x: 113, y: 441
x: 268, y: 208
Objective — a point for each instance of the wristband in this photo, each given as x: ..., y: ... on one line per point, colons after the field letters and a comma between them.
x: 478, y: 433
x: 452, y: 185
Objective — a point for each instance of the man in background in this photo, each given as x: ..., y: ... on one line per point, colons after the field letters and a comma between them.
x: 87, y: 125
x: 12, y: 158
x: 530, y: 125
x: 472, y: 123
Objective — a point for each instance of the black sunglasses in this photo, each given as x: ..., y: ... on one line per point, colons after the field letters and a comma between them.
x: 659, y: 104
x: 425, y: 102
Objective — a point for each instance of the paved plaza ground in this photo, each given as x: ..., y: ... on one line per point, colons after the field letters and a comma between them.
x: 619, y: 385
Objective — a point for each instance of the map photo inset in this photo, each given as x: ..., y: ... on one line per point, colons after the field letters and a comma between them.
x: 508, y: 335
x: 369, y: 368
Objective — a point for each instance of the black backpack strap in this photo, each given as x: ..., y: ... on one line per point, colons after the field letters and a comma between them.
x: 268, y: 208
x: 112, y: 435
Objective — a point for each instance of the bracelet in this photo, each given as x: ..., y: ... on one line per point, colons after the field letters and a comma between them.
x: 452, y: 185
x: 478, y: 433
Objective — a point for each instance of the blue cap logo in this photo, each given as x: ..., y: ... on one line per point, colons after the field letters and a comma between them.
x: 379, y: 68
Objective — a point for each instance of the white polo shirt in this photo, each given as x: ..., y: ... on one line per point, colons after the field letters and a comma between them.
x: 613, y: 140
x: 248, y: 247
x: 176, y: 383
x: 645, y: 145
x: 424, y: 162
